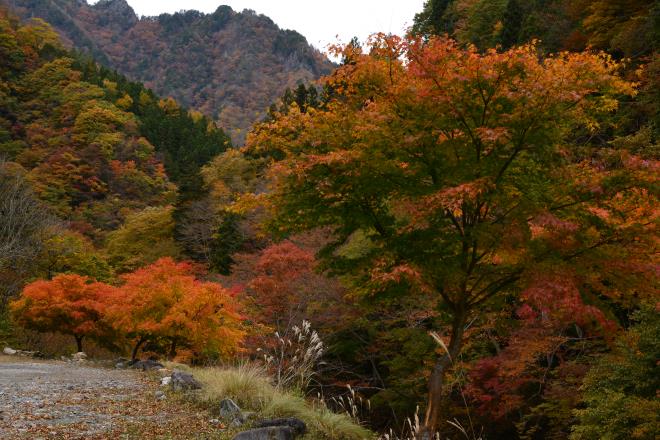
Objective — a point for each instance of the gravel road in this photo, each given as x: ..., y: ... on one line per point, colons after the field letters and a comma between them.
x: 60, y: 400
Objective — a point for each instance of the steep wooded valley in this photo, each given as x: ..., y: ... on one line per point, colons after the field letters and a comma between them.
x: 450, y: 233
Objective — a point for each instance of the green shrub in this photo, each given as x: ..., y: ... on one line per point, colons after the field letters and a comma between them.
x: 620, y: 391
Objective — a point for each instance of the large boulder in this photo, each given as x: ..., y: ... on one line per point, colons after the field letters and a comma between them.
x: 269, y: 433
x: 297, y: 425
x: 183, y: 381
x: 9, y: 351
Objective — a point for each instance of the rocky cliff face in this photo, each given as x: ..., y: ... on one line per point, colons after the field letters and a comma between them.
x: 118, y: 11
x: 230, y: 65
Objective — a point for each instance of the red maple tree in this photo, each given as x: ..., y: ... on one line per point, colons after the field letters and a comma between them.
x: 68, y: 304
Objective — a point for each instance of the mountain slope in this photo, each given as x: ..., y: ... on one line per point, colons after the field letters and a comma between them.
x: 94, y: 145
x: 228, y: 65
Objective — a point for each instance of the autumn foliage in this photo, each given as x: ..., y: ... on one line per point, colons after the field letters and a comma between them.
x: 467, y: 215
x: 165, y: 302
x: 68, y: 304
x: 453, y: 165
x: 248, y: 60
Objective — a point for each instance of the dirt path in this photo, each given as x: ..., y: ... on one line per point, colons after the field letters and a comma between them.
x: 60, y: 400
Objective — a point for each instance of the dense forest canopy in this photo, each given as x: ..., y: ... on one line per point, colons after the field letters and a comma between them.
x: 457, y: 226
x: 628, y: 28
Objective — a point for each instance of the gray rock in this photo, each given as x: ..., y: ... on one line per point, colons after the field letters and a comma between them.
x: 79, y: 357
x: 297, y: 425
x: 270, y: 433
x: 160, y: 395
x: 165, y: 381
x: 147, y: 365
x: 242, y: 418
x: 121, y: 363
x: 184, y: 381
x: 229, y: 409
x: 248, y: 415
x: 11, y: 352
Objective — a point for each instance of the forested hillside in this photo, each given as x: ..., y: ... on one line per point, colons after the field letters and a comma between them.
x: 228, y: 65
x: 453, y: 234
x: 83, y: 151
x: 628, y: 28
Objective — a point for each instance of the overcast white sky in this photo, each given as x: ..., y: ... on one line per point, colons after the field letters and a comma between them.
x: 321, y: 21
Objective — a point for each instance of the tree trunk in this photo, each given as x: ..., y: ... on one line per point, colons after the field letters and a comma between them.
x: 433, y: 416
x: 138, y: 344
x: 172, y: 349
x: 79, y: 339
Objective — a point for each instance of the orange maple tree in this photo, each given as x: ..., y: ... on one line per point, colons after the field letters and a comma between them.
x: 68, y: 304
x: 451, y: 171
x: 166, y: 302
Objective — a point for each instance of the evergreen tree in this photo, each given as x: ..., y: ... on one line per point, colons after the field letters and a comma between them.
x: 352, y: 48
x: 227, y: 240
x: 301, y: 97
x: 511, y: 24
x: 313, y: 97
x: 287, y: 99
x: 432, y: 20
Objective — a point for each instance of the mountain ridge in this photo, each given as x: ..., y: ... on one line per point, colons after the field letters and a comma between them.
x: 229, y: 65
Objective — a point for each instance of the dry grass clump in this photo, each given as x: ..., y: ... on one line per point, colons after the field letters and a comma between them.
x: 249, y: 386
x: 246, y: 384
